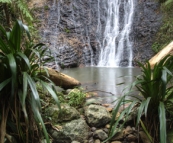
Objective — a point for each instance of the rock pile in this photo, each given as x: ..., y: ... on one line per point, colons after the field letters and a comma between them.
x: 89, y: 126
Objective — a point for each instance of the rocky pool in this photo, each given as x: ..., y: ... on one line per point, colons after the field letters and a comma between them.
x: 108, y: 82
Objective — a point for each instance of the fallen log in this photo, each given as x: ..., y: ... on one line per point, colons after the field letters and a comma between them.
x: 62, y: 80
x: 160, y: 55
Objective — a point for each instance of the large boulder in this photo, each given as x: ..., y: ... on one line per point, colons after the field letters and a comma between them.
x: 67, y: 113
x: 97, y: 115
x: 75, y: 130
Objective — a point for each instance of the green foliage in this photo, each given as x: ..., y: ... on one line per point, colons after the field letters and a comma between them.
x: 156, y: 47
x: 5, y: 1
x: 164, y: 35
x: 75, y: 98
x: 168, y: 4
x: 20, y: 62
x: 23, y: 8
x: 17, y: 8
x: 46, y: 7
x: 154, y: 101
x: 67, y: 30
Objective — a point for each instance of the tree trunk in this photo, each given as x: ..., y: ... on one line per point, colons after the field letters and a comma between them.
x: 61, y: 79
x: 165, y: 51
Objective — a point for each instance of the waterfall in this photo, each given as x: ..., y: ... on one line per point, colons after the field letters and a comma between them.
x: 90, y: 33
x: 116, y: 38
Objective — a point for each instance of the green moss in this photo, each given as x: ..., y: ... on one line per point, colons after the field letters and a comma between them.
x: 46, y: 7
x: 76, y: 98
x: 165, y: 33
x: 67, y: 30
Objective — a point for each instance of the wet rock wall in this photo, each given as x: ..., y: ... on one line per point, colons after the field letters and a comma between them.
x: 74, y: 29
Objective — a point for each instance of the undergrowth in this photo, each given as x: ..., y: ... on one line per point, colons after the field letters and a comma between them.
x: 164, y: 35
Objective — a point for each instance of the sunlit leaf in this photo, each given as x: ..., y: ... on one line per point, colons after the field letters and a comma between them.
x: 162, y: 118
x: 4, y: 83
x: 13, y: 68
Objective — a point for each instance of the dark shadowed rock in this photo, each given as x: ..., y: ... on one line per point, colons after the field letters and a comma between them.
x: 144, y: 137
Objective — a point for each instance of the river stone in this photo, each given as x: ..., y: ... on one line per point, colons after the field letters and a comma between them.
x: 75, y: 142
x: 100, y: 134
x: 131, y: 137
x: 128, y: 130
x: 75, y: 130
x: 97, y: 115
x: 67, y: 113
x: 97, y: 141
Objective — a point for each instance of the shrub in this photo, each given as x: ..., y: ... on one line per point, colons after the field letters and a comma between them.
x: 154, y: 102
x: 20, y: 62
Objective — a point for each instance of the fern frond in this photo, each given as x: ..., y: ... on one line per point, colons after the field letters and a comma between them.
x: 168, y: 4
x: 22, y: 6
x: 5, y: 1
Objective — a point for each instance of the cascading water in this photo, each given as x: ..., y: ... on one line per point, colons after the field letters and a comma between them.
x: 116, y: 40
x: 87, y: 32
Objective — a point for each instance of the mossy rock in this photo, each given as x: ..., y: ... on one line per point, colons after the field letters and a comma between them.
x: 67, y: 113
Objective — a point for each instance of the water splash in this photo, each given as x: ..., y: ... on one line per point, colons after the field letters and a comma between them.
x: 116, y: 35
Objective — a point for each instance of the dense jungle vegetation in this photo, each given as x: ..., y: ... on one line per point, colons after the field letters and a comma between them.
x: 20, y: 62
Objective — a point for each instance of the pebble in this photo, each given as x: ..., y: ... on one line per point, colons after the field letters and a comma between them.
x: 107, y: 126
x: 131, y: 137
x: 97, y: 141
x: 75, y: 142
x: 100, y: 134
x: 109, y: 109
x: 128, y: 130
x: 106, y: 130
x: 93, y: 129
x: 106, y: 105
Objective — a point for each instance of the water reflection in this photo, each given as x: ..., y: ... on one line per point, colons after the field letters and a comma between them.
x: 108, y: 82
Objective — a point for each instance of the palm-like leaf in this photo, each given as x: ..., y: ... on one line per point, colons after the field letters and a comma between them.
x: 157, y: 97
x: 20, y: 70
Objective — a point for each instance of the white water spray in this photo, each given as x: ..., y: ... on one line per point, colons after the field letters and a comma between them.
x: 116, y: 36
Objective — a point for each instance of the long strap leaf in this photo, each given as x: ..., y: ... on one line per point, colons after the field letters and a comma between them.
x: 162, y: 118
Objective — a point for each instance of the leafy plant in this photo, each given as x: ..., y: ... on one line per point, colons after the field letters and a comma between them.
x: 164, y: 34
x: 18, y: 8
x: 67, y: 30
x: 76, y: 97
x: 168, y: 4
x: 20, y: 62
x: 154, y: 101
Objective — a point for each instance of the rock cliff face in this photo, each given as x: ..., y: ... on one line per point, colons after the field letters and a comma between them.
x: 147, y: 21
x: 73, y: 29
